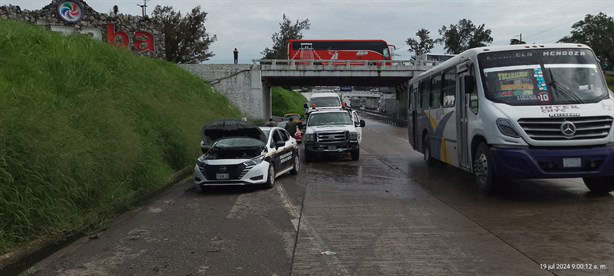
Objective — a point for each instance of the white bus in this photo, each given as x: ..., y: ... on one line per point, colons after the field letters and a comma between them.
x: 524, y: 111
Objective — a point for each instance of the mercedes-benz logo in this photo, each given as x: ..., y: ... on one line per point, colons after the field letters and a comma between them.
x: 222, y: 169
x: 568, y: 129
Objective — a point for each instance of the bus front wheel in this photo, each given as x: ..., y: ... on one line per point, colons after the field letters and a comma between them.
x: 599, y: 185
x: 483, y: 168
x: 426, y: 149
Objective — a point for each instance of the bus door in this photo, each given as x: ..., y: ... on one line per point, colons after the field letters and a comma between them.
x: 462, y: 109
x: 412, y: 120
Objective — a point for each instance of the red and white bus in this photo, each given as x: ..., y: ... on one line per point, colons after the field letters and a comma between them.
x: 339, y: 50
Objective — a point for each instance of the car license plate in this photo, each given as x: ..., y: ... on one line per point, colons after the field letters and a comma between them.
x: 572, y: 162
x: 221, y: 176
x: 332, y: 147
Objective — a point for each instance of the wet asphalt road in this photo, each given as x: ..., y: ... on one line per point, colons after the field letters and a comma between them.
x: 386, y: 214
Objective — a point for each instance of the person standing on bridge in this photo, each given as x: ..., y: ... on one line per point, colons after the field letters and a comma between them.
x: 236, y: 54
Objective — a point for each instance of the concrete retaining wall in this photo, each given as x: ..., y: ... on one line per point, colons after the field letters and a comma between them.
x: 240, y: 83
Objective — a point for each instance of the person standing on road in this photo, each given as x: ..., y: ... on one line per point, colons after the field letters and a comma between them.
x: 291, y: 127
x: 236, y: 54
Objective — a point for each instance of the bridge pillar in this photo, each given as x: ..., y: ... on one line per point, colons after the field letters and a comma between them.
x: 267, y: 100
x: 402, y: 99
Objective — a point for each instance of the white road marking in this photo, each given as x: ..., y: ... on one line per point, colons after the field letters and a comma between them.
x: 317, y: 242
x: 237, y: 207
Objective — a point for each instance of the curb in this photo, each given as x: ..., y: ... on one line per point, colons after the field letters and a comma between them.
x: 20, y: 259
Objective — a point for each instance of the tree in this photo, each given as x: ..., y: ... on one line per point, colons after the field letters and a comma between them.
x: 596, y: 31
x: 185, y: 37
x: 463, y: 36
x: 424, y: 46
x: 515, y: 41
x: 287, y: 31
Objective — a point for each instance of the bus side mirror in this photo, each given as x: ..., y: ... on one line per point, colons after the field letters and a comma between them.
x: 362, y: 123
x: 469, y: 84
x: 306, y: 106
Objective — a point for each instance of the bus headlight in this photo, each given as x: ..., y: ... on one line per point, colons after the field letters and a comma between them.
x: 309, y: 137
x: 507, y: 128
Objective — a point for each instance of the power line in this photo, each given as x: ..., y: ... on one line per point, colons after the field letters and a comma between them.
x: 563, y: 24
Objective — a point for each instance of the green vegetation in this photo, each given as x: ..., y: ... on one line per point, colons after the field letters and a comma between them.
x: 610, y: 79
x: 85, y: 127
x: 285, y: 101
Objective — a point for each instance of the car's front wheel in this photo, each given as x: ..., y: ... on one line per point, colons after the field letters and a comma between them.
x: 599, y: 185
x: 296, y: 164
x: 271, y: 179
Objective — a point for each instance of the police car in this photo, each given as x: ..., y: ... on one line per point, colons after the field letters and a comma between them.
x: 242, y: 153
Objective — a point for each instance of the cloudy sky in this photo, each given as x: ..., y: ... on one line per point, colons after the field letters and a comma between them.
x: 248, y: 24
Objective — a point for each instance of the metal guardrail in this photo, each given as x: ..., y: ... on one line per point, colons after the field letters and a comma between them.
x: 382, y: 118
x: 336, y: 64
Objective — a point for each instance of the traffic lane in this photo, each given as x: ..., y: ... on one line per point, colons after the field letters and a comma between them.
x: 551, y: 221
x: 228, y: 231
x: 368, y: 218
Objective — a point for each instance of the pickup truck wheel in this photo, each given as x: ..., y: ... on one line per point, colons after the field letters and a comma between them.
x: 308, y: 156
x: 355, y: 154
x: 599, y: 185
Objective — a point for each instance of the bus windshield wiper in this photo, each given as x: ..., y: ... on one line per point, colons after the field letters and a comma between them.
x: 562, y: 88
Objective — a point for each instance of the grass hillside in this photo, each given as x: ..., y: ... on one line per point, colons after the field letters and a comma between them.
x: 285, y: 101
x: 84, y: 127
x: 610, y: 79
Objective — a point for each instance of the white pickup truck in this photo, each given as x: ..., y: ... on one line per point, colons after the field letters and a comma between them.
x: 333, y: 132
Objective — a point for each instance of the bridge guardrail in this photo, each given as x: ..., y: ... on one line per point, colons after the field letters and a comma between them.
x: 338, y: 64
x: 382, y: 118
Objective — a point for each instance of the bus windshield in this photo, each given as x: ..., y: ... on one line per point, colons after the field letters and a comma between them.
x: 542, y: 77
x: 325, y: 102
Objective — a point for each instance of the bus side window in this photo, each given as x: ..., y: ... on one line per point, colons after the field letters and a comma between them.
x: 415, y: 98
x: 424, y: 95
x: 474, y: 103
x: 410, y: 103
x: 436, y: 91
x: 449, y: 87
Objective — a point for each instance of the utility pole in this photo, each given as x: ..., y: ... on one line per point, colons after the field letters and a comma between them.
x: 144, y: 7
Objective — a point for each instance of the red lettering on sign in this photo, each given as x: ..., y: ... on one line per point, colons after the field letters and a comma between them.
x: 143, y: 41
x: 144, y: 45
x: 112, y: 35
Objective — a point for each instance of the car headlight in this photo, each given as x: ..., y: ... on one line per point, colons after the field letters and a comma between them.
x: 254, y: 161
x: 507, y: 128
x: 353, y: 135
x: 201, y: 160
x: 309, y: 137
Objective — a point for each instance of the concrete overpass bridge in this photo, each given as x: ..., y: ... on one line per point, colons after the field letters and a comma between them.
x: 248, y: 86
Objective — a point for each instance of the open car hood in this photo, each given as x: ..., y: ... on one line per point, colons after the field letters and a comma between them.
x: 231, y: 128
